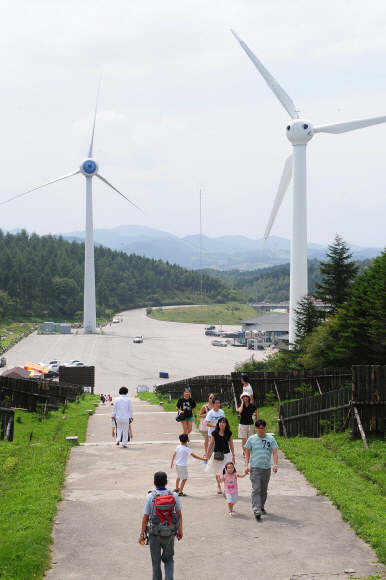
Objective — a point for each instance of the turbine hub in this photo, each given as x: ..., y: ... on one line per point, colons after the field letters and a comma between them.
x: 89, y: 167
x: 300, y: 131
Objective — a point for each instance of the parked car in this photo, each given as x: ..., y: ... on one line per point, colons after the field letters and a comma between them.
x: 3, y: 362
x: 210, y: 327
x: 138, y: 338
x: 53, y: 372
x: 260, y: 347
x: 211, y: 333
x: 116, y: 319
x: 142, y: 389
x: 219, y: 343
x: 73, y: 363
x: 229, y: 335
x: 49, y: 362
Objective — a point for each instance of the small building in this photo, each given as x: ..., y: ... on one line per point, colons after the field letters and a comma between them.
x: 267, y: 329
x: 65, y: 329
x: 48, y: 326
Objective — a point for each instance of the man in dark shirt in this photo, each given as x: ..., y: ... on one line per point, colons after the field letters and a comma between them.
x: 246, y: 410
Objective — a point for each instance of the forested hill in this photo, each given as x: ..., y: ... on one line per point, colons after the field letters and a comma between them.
x: 270, y: 284
x: 43, y: 277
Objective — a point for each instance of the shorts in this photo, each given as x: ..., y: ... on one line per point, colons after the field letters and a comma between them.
x: 246, y: 431
x: 232, y: 497
x: 187, y: 419
x: 182, y: 471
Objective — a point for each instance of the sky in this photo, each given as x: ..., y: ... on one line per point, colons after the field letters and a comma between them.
x: 182, y: 107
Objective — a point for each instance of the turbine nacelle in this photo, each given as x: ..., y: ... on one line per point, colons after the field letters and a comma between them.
x: 89, y: 167
x: 300, y: 131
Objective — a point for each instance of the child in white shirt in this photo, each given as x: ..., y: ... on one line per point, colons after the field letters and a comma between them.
x: 181, y: 456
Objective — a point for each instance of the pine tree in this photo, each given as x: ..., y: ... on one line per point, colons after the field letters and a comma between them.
x: 308, y: 317
x: 337, y: 275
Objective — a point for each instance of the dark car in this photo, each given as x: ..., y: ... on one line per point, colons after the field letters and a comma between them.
x: 211, y: 333
x: 210, y: 327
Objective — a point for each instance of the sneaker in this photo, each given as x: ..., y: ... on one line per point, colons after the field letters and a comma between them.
x: 231, y: 514
x: 118, y: 442
x: 263, y: 512
x: 124, y: 446
x: 258, y: 516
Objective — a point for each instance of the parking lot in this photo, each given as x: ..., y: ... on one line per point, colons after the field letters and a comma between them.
x: 180, y: 349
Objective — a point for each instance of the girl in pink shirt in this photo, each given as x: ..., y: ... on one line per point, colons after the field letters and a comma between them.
x: 231, y: 488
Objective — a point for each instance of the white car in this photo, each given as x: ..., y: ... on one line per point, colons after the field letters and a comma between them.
x: 49, y: 362
x: 219, y: 343
x: 138, y: 338
x: 72, y: 363
x: 116, y: 319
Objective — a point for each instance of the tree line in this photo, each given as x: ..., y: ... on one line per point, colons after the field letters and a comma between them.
x: 44, y: 275
x: 353, y: 330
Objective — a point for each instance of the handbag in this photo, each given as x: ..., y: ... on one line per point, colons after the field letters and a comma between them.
x: 180, y: 417
x: 219, y: 455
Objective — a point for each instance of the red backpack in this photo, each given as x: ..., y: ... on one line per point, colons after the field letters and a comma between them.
x: 164, y: 520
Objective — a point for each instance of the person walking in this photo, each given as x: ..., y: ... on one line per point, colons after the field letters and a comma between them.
x: 122, y: 413
x: 181, y: 455
x: 259, y: 448
x: 231, y: 487
x: 161, y: 547
x: 223, y: 451
x: 246, y: 410
x: 203, y: 427
x: 214, y: 415
x: 246, y: 386
x: 186, y: 406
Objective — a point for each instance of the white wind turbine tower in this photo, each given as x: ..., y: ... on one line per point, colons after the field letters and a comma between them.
x: 89, y: 168
x: 299, y: 132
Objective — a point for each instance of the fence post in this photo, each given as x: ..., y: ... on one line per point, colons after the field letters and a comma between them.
x: 354, y: 389
x: 281, y: 415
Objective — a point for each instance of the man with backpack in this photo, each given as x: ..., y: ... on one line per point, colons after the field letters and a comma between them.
x: 162, y: 519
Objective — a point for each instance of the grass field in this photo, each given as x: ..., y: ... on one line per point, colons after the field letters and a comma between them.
x: 354, y: 479
x: 31, y: 478
x: 211, y: 314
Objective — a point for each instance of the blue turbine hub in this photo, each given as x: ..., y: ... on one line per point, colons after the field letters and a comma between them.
x: 89, y: 167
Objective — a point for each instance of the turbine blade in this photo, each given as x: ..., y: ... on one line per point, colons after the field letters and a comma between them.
x: 284, y: 183
x: 115, y: 189
x: 93, y: 128
x: 347, y: 126
x: 280, y: 93
x: 40, y: 186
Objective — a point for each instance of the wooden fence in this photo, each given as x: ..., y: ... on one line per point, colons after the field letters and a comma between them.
x: 29, y: 393
x: 7, y: 421
x: 369, y: 398
x: 200, y: 387
x: 363, y: 403
x: 84, y: 376
x: 286, y: 384
x: 313, y: 416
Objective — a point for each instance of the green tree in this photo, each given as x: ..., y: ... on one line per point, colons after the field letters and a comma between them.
x: 338, y: 275
x: 308, y: 317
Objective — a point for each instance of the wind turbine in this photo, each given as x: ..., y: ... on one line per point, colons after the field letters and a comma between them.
x: 89, y: 168
x: 299, y: 132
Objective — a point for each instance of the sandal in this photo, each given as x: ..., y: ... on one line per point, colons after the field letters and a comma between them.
x: 182, y: 494
x: 176, y: 490
x: 219, y: 490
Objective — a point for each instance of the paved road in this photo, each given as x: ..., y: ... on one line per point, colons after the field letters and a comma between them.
x: 96, y: 530
x: 181, y: 349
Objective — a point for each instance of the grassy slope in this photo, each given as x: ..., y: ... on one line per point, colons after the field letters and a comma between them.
x: 341, y: 469
x: 211, y: 314
x: 31, y: 478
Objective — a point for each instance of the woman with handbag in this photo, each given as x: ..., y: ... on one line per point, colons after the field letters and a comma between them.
x: 186, y: 407
x: 221, y: 444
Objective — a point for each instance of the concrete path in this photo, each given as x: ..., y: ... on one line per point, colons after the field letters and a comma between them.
x: 98, y: 523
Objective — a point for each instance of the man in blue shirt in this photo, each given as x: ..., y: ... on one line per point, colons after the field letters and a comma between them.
x: 161, y: 547
x: 259, y: 449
